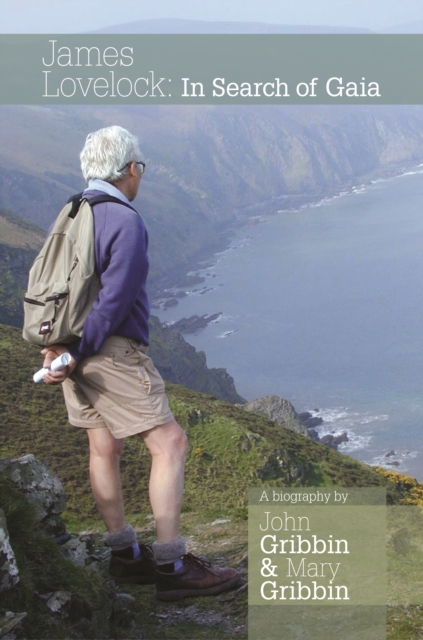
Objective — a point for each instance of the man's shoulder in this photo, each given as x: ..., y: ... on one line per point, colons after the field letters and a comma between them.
x: 113, y: 218
x: 97, y: 195
x: 110, y: 204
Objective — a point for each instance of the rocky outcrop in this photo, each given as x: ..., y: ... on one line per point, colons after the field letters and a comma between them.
x: 333, y: 441
x: 195, y: 323
x: 40, y: 487
x: 10, y: 625
x: 308, y: 420
x: 278, y: 410
x: 181, y: 363
x: 399, y: 541
x: 9, y: 573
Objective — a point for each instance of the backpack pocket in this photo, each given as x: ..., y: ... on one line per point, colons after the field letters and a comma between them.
x: 47, y: 311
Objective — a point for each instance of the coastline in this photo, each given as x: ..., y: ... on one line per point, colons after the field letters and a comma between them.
x: 338, y: 419
x: 169, y: 286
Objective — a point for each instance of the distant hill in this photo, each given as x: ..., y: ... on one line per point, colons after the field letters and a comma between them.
x: 200, y: 26
x: 18, y: 232
x: 409, y: 27
x: 20, y: 241
x: 209, y: 169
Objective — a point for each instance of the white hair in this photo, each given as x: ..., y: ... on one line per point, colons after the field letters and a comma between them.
x: 107, y: 152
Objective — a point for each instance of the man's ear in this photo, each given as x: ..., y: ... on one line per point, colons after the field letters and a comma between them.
x: 132, y: 169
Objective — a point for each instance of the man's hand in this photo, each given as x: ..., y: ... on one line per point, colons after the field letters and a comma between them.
x: 51, y: 353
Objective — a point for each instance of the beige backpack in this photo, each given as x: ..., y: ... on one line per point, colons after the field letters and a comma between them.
x: 63, y: 283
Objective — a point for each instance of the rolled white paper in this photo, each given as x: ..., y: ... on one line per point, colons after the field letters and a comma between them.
x: 59, y: 363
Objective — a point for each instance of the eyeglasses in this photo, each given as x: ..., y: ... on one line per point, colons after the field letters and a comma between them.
x: 140, y: 162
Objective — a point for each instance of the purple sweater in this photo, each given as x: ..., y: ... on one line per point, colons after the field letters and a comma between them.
x: 121, y: 261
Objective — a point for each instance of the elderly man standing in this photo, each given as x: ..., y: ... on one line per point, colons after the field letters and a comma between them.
x: 113, y: 390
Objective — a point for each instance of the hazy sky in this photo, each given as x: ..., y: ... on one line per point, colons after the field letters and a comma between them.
x: 74, y: 16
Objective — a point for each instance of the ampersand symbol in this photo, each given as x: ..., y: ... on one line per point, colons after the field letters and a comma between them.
x: 268, y: 569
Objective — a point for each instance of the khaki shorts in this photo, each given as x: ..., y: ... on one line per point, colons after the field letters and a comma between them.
x: 118, y: 388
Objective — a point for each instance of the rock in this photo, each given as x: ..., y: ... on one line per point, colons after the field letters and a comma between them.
x: 219, y: 521
x: 278, y: 410
x: 63, y: 538
x: 304, y: 416
x: 328, y: 441
x: 10, y: 624
x: 40, y: 487
x: 57, y: 600
x: 68, y: 605
x: 54, y: 526
x: 80, y: 549
x: 9, y: 574
x: 390, y: 453
x: 195, y: 323
x: 314, y: 435
x: 125, y: 596
x: 399, y: 541
x: 310, y: 423
x: 340, y: 439
x: 171, y: 302
x: 395, y: 463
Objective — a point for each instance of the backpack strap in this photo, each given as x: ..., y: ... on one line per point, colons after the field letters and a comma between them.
x: 79, y: 198
x: 76, y: 203
x: 106, y: 198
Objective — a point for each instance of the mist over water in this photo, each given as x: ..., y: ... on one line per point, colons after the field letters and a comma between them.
x: 324, y: 307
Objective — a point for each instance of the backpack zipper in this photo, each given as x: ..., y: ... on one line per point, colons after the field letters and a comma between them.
x: 74, y: 263
x: 41, y: 304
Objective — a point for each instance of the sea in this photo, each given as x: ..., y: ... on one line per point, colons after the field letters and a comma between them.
x: 324, y: 306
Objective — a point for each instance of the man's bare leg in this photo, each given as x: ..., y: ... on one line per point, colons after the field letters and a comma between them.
x: 168, y: 446
x: 129, y: 561
x: 105, y: 452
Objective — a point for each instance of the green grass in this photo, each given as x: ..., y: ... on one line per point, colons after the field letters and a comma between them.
x: 230, y: 450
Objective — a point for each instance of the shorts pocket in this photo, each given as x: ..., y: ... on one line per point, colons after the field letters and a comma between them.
x: 144, y: 378
x: 156, y: 383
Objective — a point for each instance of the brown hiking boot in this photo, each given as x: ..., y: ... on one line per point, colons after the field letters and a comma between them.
x: 197, y: 577
x: 142, y: 570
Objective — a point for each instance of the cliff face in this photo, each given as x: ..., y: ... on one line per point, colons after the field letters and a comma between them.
x: 278, y: 410
x: 19, y: 241
x: 180, y: 363
x: 207, y: 167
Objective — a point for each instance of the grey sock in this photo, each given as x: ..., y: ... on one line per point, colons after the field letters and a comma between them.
x: 169, y: 551
x: 121, y: 539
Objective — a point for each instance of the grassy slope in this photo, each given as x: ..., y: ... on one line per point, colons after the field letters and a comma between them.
x: 230, y: 450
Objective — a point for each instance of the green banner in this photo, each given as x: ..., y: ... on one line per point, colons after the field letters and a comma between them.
x: 317, y: 563
x: 211, y: 69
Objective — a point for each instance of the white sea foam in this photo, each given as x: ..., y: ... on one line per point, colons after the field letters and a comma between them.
x: 412, y: 173
x: 339, y: 420
x: 400, y: 457
x: 223, y: 317
x: 225, y: 334
x: 344, y: 417
x: 358, y: 427
x: 355, y: 442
